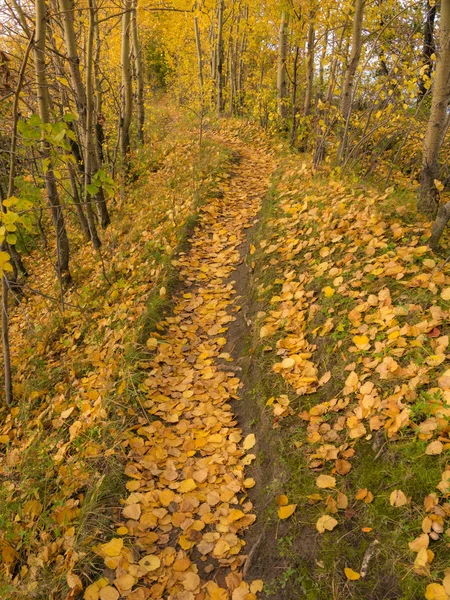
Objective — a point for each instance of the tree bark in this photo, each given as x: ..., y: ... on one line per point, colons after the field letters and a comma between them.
x: 62, y: 241
x: 428, y: 201
x: 137, y: 56
x: 281, y: 70
x: 220, y: 57
x: 429, y: 46
x: 349, y: 76
x: 127, y: 87
x: 309, y: 67
x: 294, y: 97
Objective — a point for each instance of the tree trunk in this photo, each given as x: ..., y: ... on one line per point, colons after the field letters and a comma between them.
x: 127, y: 88
x: 429, y: 47
x: 90, y: 162
x: 84, y: 103
x: 198, y: 46
x: 281, y: 70
x: 220, y: 57
x: 349, y: 76
x: 428, y: 202
x: 137, y: 56
x: 294, y: 98
x: 309, y: 67
x: 62, y: 241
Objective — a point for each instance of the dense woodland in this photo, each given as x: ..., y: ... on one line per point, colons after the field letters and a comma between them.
x: 187, y: 187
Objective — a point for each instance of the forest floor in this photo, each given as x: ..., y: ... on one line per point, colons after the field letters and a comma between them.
x: 251, y: 401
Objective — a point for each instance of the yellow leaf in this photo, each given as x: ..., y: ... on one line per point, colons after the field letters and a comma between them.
x: 132, y: 511
x: 398, y: 498
x: 150, y: 562
x: 434, y: 448
x: 325, y: 481
x: 124, y: 582
x: 188, y: 485
x: 92, y: 592
x: 326, y: 523
x: 151, y: 343
x: 249, y: 441
x: 328, y: 291
x: 287, y: 363
x: 361, y: 494
x: 109, y: 593
x: 445, y: 294
x: 286, y: 511
x: 351, y: 574
x: 420, y: 542
x: 282, y: 500
x: 436, y: 591
x: 191, y: 581
x: 438, y: 185
x: 361, y: 342
x: 256, y: 586
x: 113, y: 548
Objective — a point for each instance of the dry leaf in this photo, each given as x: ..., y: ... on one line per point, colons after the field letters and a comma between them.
x: 351, y: 575
x: 286, y: 511
x: 326, y: 523
x: 325, y: 481
x: 398, y: 498
x: 249, y: 441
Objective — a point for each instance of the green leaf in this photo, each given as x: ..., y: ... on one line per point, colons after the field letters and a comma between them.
x: 92, y: 189
x: 35, y: 120
x: 11, y: 238
x: 69, y: 117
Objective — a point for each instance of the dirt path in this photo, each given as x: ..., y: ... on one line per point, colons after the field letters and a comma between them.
x: 181, y: 534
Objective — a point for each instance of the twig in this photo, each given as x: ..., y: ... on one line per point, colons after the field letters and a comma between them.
x: 247, y: 564
x: 368, y: 557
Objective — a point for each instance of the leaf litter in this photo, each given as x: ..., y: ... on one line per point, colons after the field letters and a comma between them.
x: 187, y: 505
x: 344, y: 273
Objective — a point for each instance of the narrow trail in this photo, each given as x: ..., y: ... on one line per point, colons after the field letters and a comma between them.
x: 181, y: 530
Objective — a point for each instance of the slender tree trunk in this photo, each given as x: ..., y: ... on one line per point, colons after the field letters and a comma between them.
x: 281, y: 70
x: 77, y: 202
x: 198, y: 46
x: 84, y: 103
x: 137, y: 56
x: 5, y: 343
x: 349, y: 76
x: 428, y: 202
x: 294, y: 97
x: 127, y: 88
x: 350, y: 71
x: 62, y: 241
x: 321, y: 89
x: 220, y: 57
x: 309, y: 66
x: 89, y: 138
x: 99, y: 131
x: 429, y: 46
x: 21, y: 17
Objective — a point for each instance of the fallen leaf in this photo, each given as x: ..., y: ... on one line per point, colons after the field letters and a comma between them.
x: 325, y: 481
x: 249, y: 441
x: 326, y: 523
x: 398, y: 498
x: 286, y: 511
x: 351, y: 574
